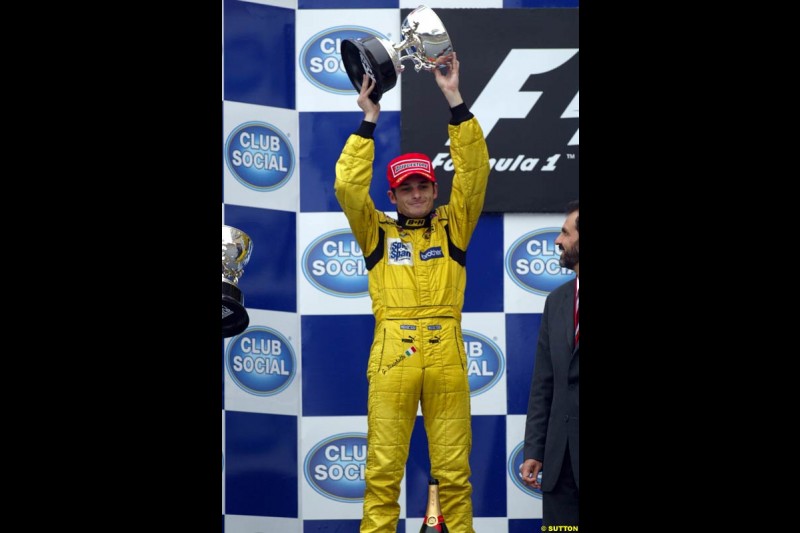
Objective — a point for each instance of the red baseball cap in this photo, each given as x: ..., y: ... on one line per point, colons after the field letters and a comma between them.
x: 403, y: 166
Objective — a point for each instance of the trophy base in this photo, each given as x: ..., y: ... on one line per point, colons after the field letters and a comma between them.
x: 234, y: 315
x: 358, y: 55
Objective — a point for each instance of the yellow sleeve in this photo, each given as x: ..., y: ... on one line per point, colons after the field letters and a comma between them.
x: 471, y: 161
x: 353, y: 177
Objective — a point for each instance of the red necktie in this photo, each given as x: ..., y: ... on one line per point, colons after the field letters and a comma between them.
x: 577, y: 322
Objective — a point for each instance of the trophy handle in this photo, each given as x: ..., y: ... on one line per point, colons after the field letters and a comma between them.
x: 412, y: 47
x: 424, y: 47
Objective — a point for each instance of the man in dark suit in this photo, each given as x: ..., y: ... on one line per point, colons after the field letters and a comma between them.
x: 551, y: 428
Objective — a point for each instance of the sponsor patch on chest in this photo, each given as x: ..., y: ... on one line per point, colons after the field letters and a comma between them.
x: 431, y: 253
x: 399, y: 252
x: 415, y: 222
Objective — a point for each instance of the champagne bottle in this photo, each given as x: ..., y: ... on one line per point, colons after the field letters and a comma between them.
x: 434, y: 520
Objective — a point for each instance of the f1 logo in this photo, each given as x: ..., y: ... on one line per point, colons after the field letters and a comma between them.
x: 502, y: 98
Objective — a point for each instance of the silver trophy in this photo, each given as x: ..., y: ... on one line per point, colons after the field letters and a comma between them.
x: 424, y: 41
x: 236, y: 250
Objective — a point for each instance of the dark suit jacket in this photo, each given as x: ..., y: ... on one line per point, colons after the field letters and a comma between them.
x: 552, y: 420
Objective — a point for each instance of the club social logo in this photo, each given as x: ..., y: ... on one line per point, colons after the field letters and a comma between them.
x: 259, y: 156
x: 335, y: 467
x: 261, y: 361
x: 321, y: 60
x: 485, y: 362
x: 334, y: 264
x: 532, y: 262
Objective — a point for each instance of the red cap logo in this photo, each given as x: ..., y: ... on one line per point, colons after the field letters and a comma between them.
x: 407, y: 165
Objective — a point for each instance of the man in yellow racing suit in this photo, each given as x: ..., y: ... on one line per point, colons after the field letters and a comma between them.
x: 417, y: 278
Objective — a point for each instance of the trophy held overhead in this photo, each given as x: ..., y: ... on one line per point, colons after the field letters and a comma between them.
x: 425, y: 40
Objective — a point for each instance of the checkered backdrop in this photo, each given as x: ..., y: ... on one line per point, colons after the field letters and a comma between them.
x: 294, y: 383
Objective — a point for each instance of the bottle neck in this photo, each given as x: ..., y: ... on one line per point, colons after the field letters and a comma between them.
x: 433, y: 512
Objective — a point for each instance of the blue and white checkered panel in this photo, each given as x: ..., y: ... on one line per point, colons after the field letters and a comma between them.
x: 323, y: 86
x: 322, y: 137
x: 261, y: 457
x: 531, y: 261
x: 258, y: 63
x: 250, y: 131
x: 522, y: 332
x: 484, y: 291
x: 270, y: 276
x: 261, y: 524
x: 485, y: 345
x: 333, y: 449
x: 334, y: 362
x: 334, y: 277
x: 262, y: 366
x: 522, y: 501
x: 294, y: 383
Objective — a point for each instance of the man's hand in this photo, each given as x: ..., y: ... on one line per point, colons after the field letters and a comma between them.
x: 529, y: 471
x: 370, y: 108
x: 448, y: 83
